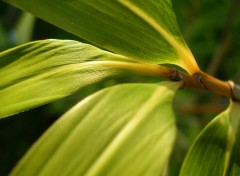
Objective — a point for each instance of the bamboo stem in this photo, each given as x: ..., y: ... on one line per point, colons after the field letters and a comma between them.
x: 199, y: 80
x: 205, y: 81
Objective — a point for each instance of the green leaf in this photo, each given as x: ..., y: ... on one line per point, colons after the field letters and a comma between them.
x: 143, y: 30
x: 123, y: 130
x: 217, y: 149
x: 43, y: 71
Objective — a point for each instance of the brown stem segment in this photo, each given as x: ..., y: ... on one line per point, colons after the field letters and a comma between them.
x: 205, y: 81
x: 198, y: 80
x: 216, y: 85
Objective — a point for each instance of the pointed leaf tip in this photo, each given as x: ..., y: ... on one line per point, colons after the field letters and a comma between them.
x: 40, y: 72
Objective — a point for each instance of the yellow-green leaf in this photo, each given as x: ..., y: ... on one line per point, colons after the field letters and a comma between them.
x: 39, y: 72
x: 217, y: 149
x: 145, y: 30
x: 123, y: 130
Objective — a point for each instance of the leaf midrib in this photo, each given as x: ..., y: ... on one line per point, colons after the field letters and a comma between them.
x: 127, y: 130
x: 184, y: 53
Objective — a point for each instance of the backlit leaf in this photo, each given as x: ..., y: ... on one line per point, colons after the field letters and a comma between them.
x: 43, y: 71
x: 143, y: 30
x: 217, y: 149
x: 123, y: 130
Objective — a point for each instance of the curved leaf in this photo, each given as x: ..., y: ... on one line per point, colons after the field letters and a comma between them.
x: 143, y: 30
x: 43, y: 71
x: 123, y: 130
x: 216, y: 150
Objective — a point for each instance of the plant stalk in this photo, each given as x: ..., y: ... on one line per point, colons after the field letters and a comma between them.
x: 199, y: 80
x: 205, y: 81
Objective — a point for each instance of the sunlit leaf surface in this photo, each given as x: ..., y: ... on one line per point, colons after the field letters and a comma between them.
x: 216, y: 151
x: 43, y: 71
x: 143, y: 30
x: 123, y: 130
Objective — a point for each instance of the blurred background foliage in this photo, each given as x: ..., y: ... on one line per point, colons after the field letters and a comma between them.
x: 210, y: 28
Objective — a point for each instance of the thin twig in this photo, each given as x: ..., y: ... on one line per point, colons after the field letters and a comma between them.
x: 213, y: 107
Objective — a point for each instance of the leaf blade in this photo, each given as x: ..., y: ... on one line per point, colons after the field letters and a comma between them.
x: 40, y: 72
x: 166, y: 30
x: 113, y: 26
x: 213, y: 151
x: 123, y: 135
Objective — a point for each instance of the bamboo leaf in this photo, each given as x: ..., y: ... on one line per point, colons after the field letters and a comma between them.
x: 216, y: 151
x: 123, y: 130
x: 40, y: 72
x: 143, y: 30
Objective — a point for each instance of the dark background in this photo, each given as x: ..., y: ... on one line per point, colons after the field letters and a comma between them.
x: 210, y: 27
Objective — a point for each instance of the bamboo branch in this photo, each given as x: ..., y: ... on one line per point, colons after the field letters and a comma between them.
x: 199, y: 80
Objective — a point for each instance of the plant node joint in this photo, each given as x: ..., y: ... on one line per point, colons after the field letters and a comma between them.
x: 175, y: 76
x: 199, y: 80
x: 235, y: 91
